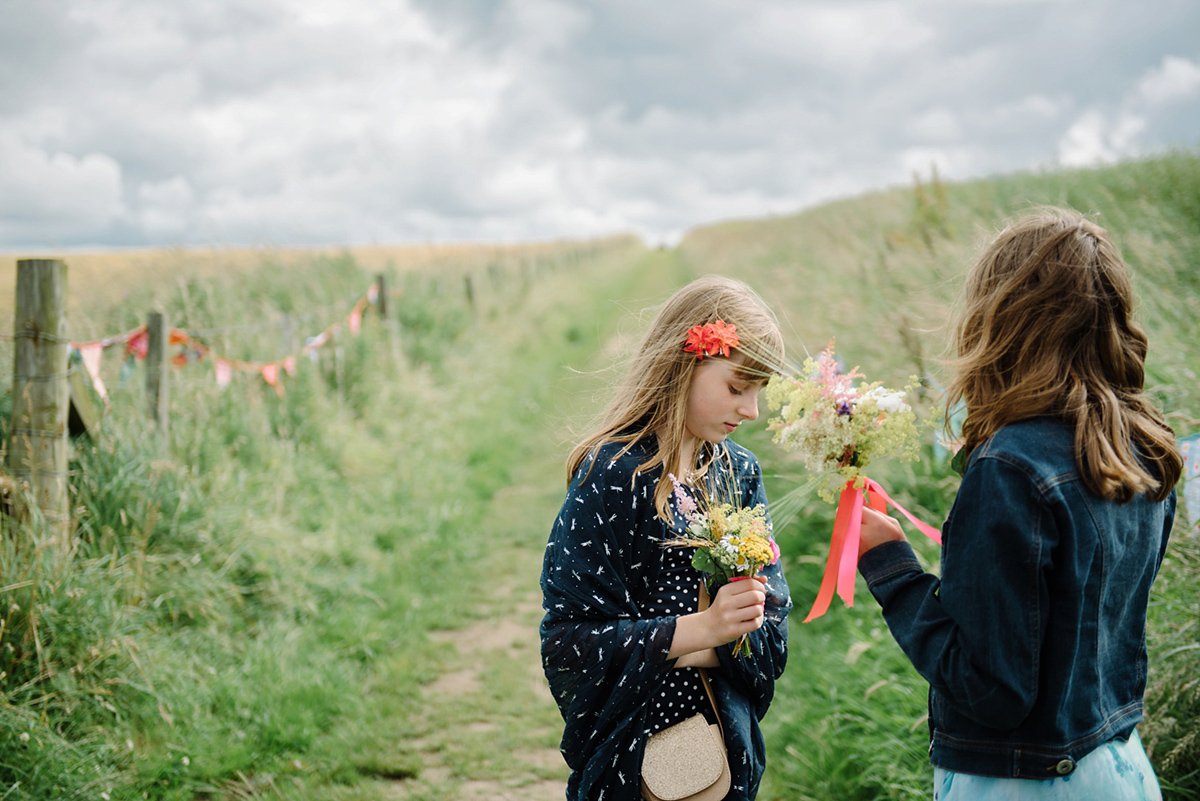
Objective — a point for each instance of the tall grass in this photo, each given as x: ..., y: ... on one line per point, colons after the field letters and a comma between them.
x: 236, y: 588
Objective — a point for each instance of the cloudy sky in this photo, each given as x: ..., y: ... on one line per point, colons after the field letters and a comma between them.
x: 275, y: 122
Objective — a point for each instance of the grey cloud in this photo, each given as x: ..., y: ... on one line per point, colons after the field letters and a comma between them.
x: 137, y: 122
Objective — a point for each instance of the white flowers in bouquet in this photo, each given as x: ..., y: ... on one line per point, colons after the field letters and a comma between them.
x: 838, y: 426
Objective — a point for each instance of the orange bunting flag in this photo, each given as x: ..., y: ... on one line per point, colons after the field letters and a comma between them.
x: 270, y: 374
x: 289, y: 365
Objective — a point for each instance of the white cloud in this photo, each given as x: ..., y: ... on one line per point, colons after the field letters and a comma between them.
x: 836, y: 35
x: 79, y: 196
x: 1177, y: 79
x: 1094, y: 139
x: 1126, y: 133
x: 1085, y: 142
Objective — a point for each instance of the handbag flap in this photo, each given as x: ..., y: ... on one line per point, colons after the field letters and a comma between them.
x: 683, y: 759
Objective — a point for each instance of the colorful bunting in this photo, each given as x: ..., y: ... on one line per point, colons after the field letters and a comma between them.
x: 137, y: 343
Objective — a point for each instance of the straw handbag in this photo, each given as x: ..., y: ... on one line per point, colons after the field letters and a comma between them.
x: 687, y: 761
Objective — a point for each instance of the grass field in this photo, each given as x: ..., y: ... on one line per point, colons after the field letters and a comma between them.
x: 332, y: 594
x: 100, y: 281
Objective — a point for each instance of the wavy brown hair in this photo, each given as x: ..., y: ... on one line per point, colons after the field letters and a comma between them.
x: 1047, y: 329
x: 651, y: 401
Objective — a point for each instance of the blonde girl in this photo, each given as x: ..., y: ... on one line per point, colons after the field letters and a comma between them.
x: 1033, y: 640
x: 621, y: 636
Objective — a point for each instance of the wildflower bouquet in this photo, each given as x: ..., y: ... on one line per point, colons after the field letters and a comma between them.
x: 838, y: 427
x: 730, y: 541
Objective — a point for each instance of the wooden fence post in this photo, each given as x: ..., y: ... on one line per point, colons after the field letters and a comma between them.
x: 157, y: 389
x: 392, y: 326
x: 381, y: 297
x: 38, y: 449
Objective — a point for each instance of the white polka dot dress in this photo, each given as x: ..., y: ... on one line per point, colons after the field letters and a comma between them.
x: 682, y: 695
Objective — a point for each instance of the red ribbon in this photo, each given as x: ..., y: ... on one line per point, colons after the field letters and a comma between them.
x: 841, y: 568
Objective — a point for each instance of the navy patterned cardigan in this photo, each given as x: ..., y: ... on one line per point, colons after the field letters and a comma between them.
x: 605, y: 662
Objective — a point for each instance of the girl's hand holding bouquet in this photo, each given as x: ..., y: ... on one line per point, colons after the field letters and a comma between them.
x: 737, y: 608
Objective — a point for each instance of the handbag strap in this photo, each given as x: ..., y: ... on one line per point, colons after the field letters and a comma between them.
x: 701, y: 605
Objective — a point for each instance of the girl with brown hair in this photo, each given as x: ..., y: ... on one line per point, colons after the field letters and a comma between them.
x: 1033, y: 639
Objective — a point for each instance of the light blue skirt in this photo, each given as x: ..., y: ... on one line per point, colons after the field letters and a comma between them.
x: 1116, y: 771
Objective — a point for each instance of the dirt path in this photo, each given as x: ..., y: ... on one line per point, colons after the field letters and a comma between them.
x: 489, y: 729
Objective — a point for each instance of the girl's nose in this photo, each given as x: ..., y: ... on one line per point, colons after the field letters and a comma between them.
x: 749, y: 409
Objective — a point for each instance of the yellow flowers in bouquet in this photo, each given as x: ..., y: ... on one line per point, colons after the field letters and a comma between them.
x: 730, y: 541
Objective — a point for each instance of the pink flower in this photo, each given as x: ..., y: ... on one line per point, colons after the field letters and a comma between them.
x: 684, y: 501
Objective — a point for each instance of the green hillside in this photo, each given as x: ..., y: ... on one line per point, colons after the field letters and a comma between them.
x: 331, y: 593
x: 880, y: 273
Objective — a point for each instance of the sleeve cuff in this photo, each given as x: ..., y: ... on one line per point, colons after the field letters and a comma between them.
x: 887, y: 560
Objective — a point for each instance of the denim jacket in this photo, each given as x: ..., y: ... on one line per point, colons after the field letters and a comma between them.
x: 1033, y: 640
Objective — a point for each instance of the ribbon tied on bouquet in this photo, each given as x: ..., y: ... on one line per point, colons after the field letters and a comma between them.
x: 841, y: 568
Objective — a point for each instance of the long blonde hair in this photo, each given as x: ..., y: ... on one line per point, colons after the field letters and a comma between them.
x: 1047, y: 329
x: 651, y: 401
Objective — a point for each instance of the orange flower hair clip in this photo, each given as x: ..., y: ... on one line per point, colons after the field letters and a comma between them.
x: 711, y: 339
